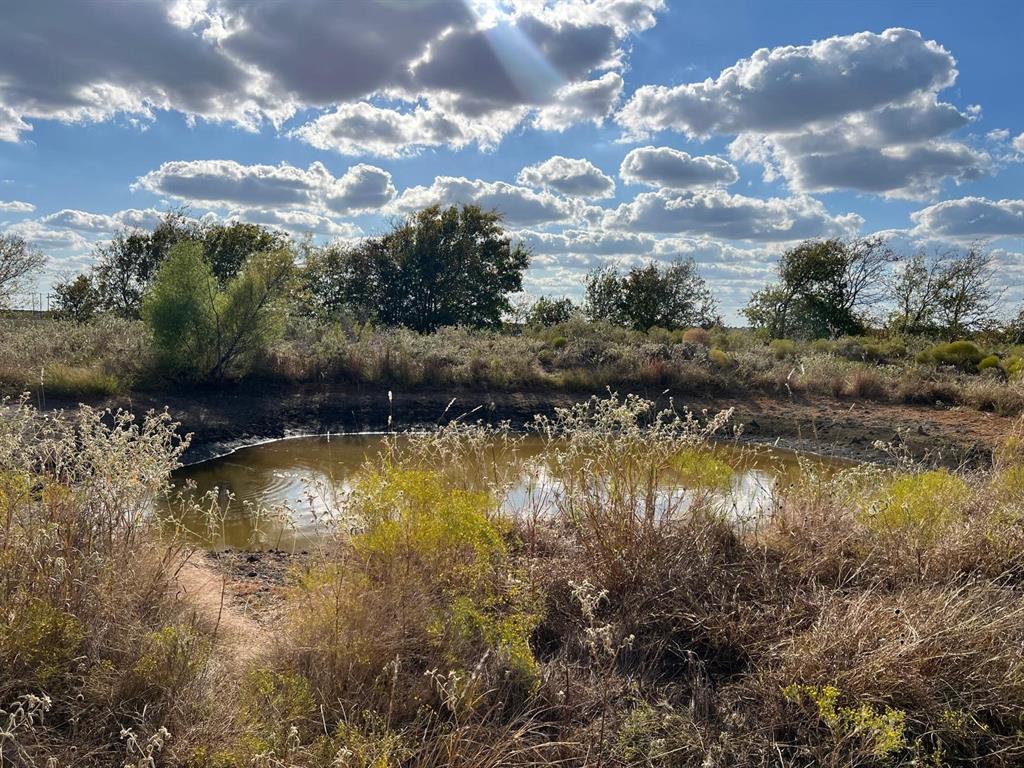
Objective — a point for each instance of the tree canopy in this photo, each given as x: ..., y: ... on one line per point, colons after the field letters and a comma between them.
x: 826, y: 288
x: 208, y: 332
x: 19, y: 262
x: 441, y: 266
x: 664, y: 296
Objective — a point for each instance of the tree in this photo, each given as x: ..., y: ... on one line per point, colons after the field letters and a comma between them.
x: 207, y: 332
x: 250, y: 312
x: 649, y: 296
x: 19, y: 262
x: 453, y: 266
x: 227, y: 246
x: 825, y: 288
x: 967, y: 298
x: 180, y: 311
x: 951, y: 294
x: 76, y: 298
x: 125, y: 265
x: 915, y: 288
x: 546, y: 312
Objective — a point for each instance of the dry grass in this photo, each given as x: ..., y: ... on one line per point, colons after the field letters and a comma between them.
x: 874, y: 618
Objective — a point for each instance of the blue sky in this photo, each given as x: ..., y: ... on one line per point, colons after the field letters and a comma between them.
x: 607, y: 131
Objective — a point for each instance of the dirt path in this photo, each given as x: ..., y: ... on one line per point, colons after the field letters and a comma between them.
x: 210, y: 594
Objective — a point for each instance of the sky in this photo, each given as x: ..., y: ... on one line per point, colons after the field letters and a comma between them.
x: 607, y: 132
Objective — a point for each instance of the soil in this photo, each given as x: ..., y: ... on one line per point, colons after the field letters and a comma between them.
x: 223, y: 419
x: 253, y: 582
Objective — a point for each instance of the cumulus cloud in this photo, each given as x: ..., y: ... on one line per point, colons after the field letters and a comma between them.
x: 716, y: 213
x: 586, y: 241
x: 672, y: 168
x: 783, y: 89
x: 574, y: 103
x: 362, y: 188
x: 47, y: 238
x: 575, y: 177
x: 231, y: 185
x: 225, y: 182
x: 521, y: 206
x: 296, y: 223
x: 1018, y: 143
x: 60, y: 63
x: 449, y: 65
x: 100, y: 223
x: 971, y: 217
x: 362, y: 128
x: 16, y: 206
x: 850, y: 112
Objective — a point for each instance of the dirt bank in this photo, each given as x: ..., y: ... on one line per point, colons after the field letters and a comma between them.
x: 226, y: 418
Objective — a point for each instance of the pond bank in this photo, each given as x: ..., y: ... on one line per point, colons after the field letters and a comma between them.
x: 223, y: 419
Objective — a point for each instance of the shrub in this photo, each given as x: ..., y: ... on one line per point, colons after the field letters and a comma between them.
x: 964, y: 355
x: 989, y: 361
x: 428, y: 579
x: 720, y: 359
x: 78, y: 381
x: 867, y: 384
x: 205, y: 332
x: 920, y: 508
x: 697, y: 336
x: 783, y: 349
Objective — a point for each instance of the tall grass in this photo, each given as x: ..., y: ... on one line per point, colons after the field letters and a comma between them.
x: 101, y: 663
x: 872, y: 618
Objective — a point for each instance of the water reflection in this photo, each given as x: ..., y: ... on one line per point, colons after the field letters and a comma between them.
x: 307, y: 478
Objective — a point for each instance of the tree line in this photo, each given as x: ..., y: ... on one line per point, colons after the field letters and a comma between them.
x: 213, y: 294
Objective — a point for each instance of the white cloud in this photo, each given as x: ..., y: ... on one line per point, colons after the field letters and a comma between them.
x: 16, y: 206
x: 672, y: 168
x: 362, y: 128
x: 850, y: 112
x: 362, y: 188
x: 225, y: 182
x: 296, y: 223
x: 1018, y: 143
x: 578, y: 102
x: 449, y: 64
x: 575, y: 177
x: 520, y: 206
x: 586, y: 241
x: 783, y: 89
x: 716, y: 213
x: 48, y: 238
x: 971, y: 217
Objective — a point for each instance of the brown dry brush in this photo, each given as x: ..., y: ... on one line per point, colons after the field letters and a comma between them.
x: 873, y: 618
x: 101, y: 661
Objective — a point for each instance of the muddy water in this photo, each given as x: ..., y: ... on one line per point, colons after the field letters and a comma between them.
x: 279, y: 493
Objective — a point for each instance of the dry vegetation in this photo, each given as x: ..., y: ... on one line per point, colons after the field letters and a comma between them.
x: 68, y: 360
x: 874, y: 618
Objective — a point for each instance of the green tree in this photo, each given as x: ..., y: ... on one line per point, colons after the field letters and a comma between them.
x: 207, y: 332
x: 180, y: 311
x: 441, y: 266
x: 19, y: 262
x: 227, y: 246
x: 546, y: 312
x: 250, y: 312
x: 670, y: 296
x: 126, y: 265
x: 77, y: 298
x: 951, y: 293
x: 826, y: 288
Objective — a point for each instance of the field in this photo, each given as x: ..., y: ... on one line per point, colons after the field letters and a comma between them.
x: 872, y: 619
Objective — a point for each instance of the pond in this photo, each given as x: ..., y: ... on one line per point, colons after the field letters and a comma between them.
x: 305, y: 477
